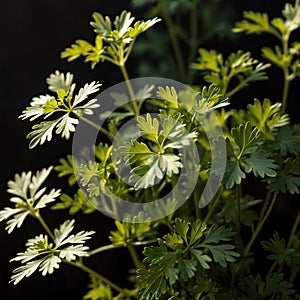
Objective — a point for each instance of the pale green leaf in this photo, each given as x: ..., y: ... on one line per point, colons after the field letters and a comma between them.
x: 261, y: 165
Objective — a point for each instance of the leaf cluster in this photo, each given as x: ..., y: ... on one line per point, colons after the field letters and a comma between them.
x: 113, y: 42
x: 66, y: 106
x: 180, y: 254
x: 45, y: 256
x: 239, y: 68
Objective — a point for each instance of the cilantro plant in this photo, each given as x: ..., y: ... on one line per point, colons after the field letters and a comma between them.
x: 210, y: 251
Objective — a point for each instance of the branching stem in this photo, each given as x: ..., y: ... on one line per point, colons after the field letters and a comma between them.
x: 212, y: 208
x: 43, y: 223
x: 286, y: 76
x: 96, y: 126
x: 173, y: 37
x: 293, y: 231
x: 134, y: 256
x: 102, y: 278
x: 260, y: 225
x: 130, y: 89
x: 112, y: 246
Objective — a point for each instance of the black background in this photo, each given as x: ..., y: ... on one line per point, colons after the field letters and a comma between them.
x: 33, y: 33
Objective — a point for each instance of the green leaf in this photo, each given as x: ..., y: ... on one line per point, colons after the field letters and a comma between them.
x: 101, y: 24
x: 173, y: 134
x: 246, y: 138
x: 159, y: 273
x: 291, y: 13
x: 287, y: 179
x: 85, y: 91
x: 136, y: 152
x: 98, y: 291
x: 87, y: 171
x: 60, y: 81
x: 92, y: 53
x: 182, y: 227
x: 149, y: 127
x: 267, y: 117
x: 280, y: 25
x: 45, y: 257
x: 122, y: 31
x: 151, y: 164
x: 81, y: 47
x: 197, y: 231
x: 233, y: 174
x: 276, y: 56
x: 145, y: 176
x: 50, y: 106
x: 187, y: 268
x: 68, y: 167
x: 279, y: 252
x: 222, y: 72
x: 168, y: 94
x: 285, y: 183
x: 76, y: 203
x: 141, y: 26
x: 287, y: 141
x: 123, y: 22
x: 217, y: 234
x: 231, y: 205
x: 209, y: 98
x: 256, y: 288
x: 260, y: 165
x: 275, y: 284
x: 103, y: 152
x: 254, y: 22
x: 208, y: 60
x: 28, y: 197
x: 63, y: 106
x: 221, y: 253
x: 203, y: 259
x: 128, y: 232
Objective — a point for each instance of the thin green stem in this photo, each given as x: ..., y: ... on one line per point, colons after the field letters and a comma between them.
x: 239, y: 240
x: 102, y: 278
x: 43, y: 223
x: 173, y: 37
x: 225, y: 82
x: 196, y: 197
x: 254, y: 235
x: 260, y: 226
x: 79, y: 264
x: 111, y: 60
x: 193, y: 36
x: 238, y: 197
x: 235, y: 89
x: 293, y: 231
x: 196, y: 205
x: 129, y: 49
x: 112, y: 246
x: 285, y: 91
x: 134, y: 256
x: 265, y: 205
x: 130, y: 89
x: 212, y: 208
x: 286, y: 75
x: 99, y: 128
x: 272, y: 268
x: 104, y: 248
x: 293, y: 275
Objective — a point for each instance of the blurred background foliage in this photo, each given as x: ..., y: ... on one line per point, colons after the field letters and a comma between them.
x: 187, y: 25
